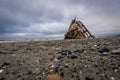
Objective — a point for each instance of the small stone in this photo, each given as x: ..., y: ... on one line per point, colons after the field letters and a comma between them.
x: 102, y: 74
x: 66, y: 65
x: 51, y: 70
x: 37, y: 61
x: 53, y: 77
x: 112, y: 78
x: 43, y: 73
x: 62, y: 74
x: 2, y: 78
x: 1, y: 70
x: 63, y: 52
x: 5, y: 64
x: 60, y: 57
x: 115, y: 52
x: 89, y: 78
x: 36, y: 69
x: 106, y: 53
x: 80, y: 72
x: 73, y: 57
x: 78, y: 51
x: 102, y: 50
x: 69, y: 52
x: 77, y: 78
x: 116, y: 70
x: 95, y: 45
x: 29, y: 72
x: 13, y: 49
x: 56, y: 60
x: 52, y: 66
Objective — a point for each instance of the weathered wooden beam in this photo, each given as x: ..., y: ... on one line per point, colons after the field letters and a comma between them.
x: 77, y: 30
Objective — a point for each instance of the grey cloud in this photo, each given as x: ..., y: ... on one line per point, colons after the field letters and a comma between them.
x: 52, y: 17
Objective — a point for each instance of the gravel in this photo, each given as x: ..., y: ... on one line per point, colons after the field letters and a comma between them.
x: 62, y: 59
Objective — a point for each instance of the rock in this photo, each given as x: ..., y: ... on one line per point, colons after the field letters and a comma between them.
x: 5, y: 52
x: 56, y: 60
x: 51, y: 71
x: 52, y: 66
x: 62, y: 74
x: 2, y: 78
x: 66, y: 65
x: 63, y: 52
x: 29, y: 72
x: 102, y: 50
x: 78, y: 51
x: 1, y: 70
x: 112, y: 78
x: 89, y: 78
x: 5, y: 64
x: 73, y: 57
x: 60, y: 57
x: 13, y: 49
x: 52, y: 77
x: 115, y: 52
x: 69, y: 52
x: 57, y: 68
x: 43, y: 73
x: 106, y: 53
x: 77, y: 78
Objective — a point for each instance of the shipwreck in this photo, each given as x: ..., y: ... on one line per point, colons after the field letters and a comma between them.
x: 77, y: 30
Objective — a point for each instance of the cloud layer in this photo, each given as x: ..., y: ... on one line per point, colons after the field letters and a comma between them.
x: 51, y: 18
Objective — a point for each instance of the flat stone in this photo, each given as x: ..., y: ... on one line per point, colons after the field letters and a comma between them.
x: 102, y: 50
x: 89, y: 78
x: 115, y: 52
x: 2, y: 78
x: 56, y: 60
x: 5, y: 64
x: 60, y: 57
x: 78, y: 51
x: 73, y: 57
x: 1, y: 70
x: 13, y: 49
x: 52, y: 77
x: 106, y: 53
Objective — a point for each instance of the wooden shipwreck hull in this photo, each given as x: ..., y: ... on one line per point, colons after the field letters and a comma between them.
x: 77, y: 31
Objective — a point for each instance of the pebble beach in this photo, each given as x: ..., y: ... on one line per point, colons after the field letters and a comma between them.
x: 73, y: 59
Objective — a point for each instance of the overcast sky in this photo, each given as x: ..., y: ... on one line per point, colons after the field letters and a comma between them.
x: 51, y: 18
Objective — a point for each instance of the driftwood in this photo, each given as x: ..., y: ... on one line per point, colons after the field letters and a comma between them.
x: 77, y: 31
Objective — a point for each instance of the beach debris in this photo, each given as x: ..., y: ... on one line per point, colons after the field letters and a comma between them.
x: 77, y: 31
x: 115, y: 52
